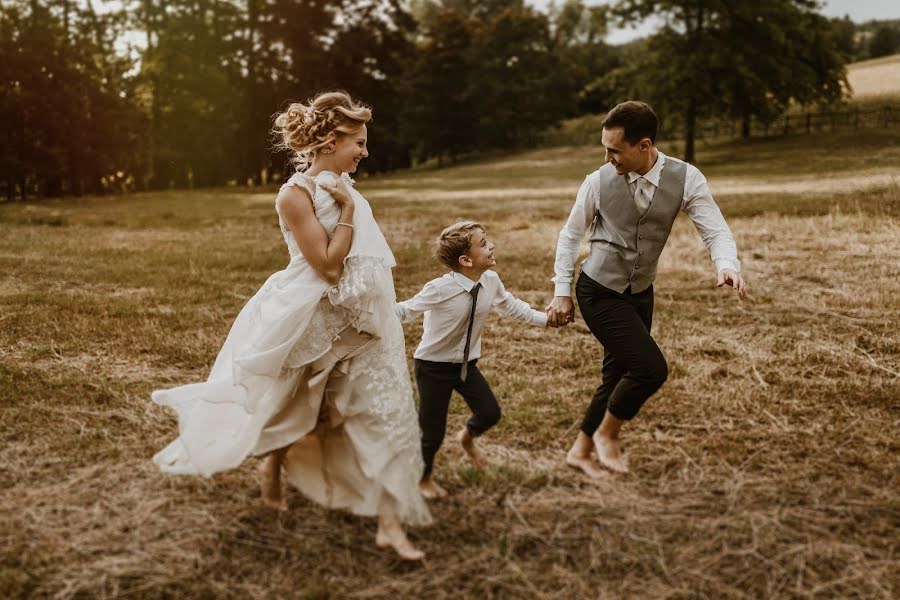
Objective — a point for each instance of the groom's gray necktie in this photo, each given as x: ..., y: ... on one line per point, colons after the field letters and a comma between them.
x: 465, y: 365
x: 642, y: 194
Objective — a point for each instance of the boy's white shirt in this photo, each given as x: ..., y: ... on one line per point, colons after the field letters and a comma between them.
x: 446, y: 304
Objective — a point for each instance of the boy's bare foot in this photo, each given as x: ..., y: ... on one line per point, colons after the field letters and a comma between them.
x: 467, y: 442
x: 270, y: 485
x: 609, y: 453
x: 393, y: 536
x: 431, y: 490
x: 585, y: 464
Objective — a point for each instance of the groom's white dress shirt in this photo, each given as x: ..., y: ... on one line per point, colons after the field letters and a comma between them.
x: 697, y: 204
x: 447, y: 304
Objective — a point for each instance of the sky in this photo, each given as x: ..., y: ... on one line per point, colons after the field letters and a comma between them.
x: 858, y: 11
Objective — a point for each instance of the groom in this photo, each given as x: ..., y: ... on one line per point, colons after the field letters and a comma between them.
x: 628, y: 206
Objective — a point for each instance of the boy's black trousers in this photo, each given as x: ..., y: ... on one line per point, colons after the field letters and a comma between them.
x: 436, y: 382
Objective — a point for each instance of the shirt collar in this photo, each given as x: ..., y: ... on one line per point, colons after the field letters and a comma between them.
x: 653, y: 174
x: 466, y: 283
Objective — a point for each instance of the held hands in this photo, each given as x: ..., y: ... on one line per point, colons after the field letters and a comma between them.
x: 734, y: 279
x: 560, y: 311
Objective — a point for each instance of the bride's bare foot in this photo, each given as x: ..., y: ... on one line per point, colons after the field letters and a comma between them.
x: 609, y: 453
x: 431, y: 490
x: 467, y: 442
x: 391, y: 535
x: 585, y: 464
x: 270, y: 484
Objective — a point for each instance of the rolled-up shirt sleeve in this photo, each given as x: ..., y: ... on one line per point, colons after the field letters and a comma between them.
x: 704, y: 213
x: 571, y: 235
x: 507, y: 305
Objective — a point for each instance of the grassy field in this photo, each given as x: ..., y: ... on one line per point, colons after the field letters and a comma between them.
x: 767, y: 467
x: 875, y: 77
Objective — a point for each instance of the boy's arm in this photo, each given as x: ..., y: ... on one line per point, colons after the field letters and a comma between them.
x: 410, y: 310
x: 508, y: 305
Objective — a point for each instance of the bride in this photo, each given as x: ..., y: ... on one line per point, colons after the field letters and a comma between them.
x: 313, y: 375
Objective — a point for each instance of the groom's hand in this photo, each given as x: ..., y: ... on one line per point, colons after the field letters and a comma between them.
x: 560, y: 311
x: 734, y: 279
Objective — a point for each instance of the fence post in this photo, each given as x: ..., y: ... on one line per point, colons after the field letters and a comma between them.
x: 787, y: 124
x: 808, y: 123
x: 856, y: 119
x: 886, y: 112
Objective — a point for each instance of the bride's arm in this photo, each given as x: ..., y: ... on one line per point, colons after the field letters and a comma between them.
x: 324, y: 255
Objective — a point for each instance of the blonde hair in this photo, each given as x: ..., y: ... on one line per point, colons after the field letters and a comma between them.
x: 454, y: 242
x: 303, y: 128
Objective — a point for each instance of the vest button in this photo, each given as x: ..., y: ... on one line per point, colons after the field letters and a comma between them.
x: 640, y: 251
x: 640, y: 237
x: 636, y: 267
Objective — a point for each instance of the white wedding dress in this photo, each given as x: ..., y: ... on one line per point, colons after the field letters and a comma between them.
x: 318, y: 367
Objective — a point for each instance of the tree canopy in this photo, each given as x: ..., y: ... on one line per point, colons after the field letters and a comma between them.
x: 735, y: 58
x: 145, y: 94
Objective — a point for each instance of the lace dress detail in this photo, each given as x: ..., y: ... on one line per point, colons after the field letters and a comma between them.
x: 316, y: 367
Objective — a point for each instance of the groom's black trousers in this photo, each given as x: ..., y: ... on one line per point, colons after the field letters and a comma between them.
x: 633, y: 365
x: 436, y: 382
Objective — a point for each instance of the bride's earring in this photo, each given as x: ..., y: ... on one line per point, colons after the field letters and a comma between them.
x: 327, y: 150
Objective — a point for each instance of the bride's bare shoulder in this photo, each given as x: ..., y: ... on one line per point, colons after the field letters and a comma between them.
x: 294, y: 193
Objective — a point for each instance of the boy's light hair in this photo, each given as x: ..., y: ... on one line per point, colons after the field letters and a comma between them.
x: 454, y: 242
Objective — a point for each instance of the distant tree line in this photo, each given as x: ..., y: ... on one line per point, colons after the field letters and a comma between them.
x: 151, y: 94
x: 872, y: 39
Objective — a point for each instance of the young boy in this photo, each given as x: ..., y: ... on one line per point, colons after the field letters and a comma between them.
x: 456, y: 307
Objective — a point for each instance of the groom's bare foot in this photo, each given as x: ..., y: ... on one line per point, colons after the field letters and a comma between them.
x: 586, y: 464
x: 393, y: 536
x: 431, y: 490
x: 609, y: 453
x: 270, y: 485
x: 467, y: 442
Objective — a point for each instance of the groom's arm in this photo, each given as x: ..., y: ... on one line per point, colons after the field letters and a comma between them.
x: 561, y: 310
x: 699, y: 206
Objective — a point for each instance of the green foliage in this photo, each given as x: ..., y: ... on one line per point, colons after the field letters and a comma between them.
x: 190, y: 104
x: 859, y: 41
x: 63, y: 88
x: 885, y: 40
x: 738, y: 59
x: 484, y: 80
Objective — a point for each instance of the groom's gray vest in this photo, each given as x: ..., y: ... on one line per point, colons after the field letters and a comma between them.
x: 625, y: 246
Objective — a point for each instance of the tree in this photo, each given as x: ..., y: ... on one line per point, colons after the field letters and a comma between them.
x: 843, y: 32
x: 68, y: 123
x: 443, y: 99
x: 577, y: 32
x: 884, y: 41
x: 739, y: 58
x: 522, y: 85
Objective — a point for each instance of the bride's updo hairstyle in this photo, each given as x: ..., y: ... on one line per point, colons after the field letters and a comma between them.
x: 303, y: 128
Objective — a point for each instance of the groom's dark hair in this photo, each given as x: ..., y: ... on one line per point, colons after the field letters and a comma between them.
x: 636, y: 118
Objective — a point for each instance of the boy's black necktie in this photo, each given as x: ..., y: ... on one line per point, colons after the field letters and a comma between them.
x: 465, y: 366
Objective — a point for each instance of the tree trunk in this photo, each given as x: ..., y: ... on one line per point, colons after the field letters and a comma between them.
x: 745, y: 125
x: 690, y: 128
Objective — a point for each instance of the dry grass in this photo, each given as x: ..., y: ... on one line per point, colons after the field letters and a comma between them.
x: 765, y: 468
x: 875, y: 77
